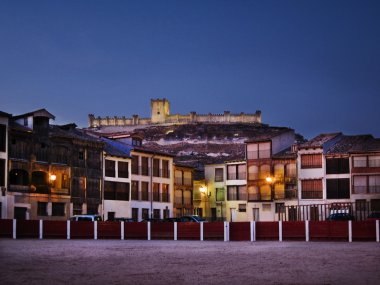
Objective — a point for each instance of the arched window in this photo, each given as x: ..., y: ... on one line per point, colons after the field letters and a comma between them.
x: 19, y: 177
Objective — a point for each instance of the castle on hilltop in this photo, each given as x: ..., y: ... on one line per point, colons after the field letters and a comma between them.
x: 160, y: 114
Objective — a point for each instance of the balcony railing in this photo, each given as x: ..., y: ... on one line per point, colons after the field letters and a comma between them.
x: 144, y: 195
x: 374, y: 189
x: 165, y: 197
x: 237, y: 176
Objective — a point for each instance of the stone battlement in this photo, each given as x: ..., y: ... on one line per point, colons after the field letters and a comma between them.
x: 160, y: 114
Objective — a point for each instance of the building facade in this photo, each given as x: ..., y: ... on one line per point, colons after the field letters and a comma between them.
x: 183, y: 190
x: 53, y: 171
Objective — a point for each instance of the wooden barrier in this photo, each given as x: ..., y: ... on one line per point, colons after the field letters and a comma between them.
x: 188, y: 231
x: 6, y: 228
x: 364, y: 230
x: 135, y: 230
x: 235, y: 231
x: 328, y: 230
x: 213, y: 231
x: 27, y: 228
x: 162, y: 230
x: 109, y: 230
x: 267, y: 231
x: 293, y: 231
x: 54, y: 229
x: 82, y: 230
x: 240, y: 231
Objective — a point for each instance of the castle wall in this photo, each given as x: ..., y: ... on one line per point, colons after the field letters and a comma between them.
x: 160, y: 114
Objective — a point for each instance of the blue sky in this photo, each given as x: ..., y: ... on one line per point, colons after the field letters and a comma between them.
x: 310, y: 65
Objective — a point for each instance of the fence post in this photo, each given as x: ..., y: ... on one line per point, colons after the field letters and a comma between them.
x: 377, y: 231
x: 279, y: 230
x: 175, y: 230
x: 95, y: 229
x: 226, y: 231
x: 307, y: 233
x: 68, y: 229
x: 253, y: 230
x: 122, y: 230
x: 41, y: 228
x: 349, y: 231
x: 14, y: 229
x: 148, y: 230
x: 201, y: 237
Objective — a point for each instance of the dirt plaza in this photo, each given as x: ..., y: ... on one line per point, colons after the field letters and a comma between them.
x: 28, y: 261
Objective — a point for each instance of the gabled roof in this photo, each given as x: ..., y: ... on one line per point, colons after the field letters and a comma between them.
x: 116, y: 148
x: 319, y: 140
x: 347, y: 144
x: 3, y: 114
x: 37, y: 113
x: 267, y: 134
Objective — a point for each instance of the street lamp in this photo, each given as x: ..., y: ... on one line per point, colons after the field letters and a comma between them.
x: 270, y: 180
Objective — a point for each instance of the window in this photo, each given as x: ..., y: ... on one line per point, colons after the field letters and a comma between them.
x: 135, y: 190
x: 338, y: 188
x: 291, y: 170
x: 359, y: 161
x: 135, y: 214
x: 178, y: 177
x: 110, y: 168
x: 166, y: 213
x: 374, y: 161
x: 135, y: 165
x: 259, y: 150
x: 232, y: 193
x: 2, y: 172
x: 337, y: 165
x: 58, y: 209
x: 3, y: 137
x: 144, y: 166
x: 231, y: 172
x: 156, y: 192
x: 144, y: 191
x: 236, y: 193
x: 253, y: 172
x: 374, y: 184
x: 65, y: 182
x: 311, y: 189
x: 156, y: 167
x: 360, y: 184
x: 253, y: 193
x: 19, y: 177
x: 218, y: 174
x: 165, y: 169
x: 219, y: 194
x: 116, y: 191
x: 145, y: 213
x: 41, y: 208
x: 242, y: 207
x: 311, y: 160
x: 156, y: 213
x: 122, y: 171
x: 280, y: 208
x: 165, y: 193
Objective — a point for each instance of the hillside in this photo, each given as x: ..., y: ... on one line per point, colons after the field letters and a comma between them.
x: 198, y: 144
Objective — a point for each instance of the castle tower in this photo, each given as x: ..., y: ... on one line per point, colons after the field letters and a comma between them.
x: 160, y: 109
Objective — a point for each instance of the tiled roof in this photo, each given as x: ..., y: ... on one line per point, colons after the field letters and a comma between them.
x: 319, y: 140
x: 371, y: 145
x: 347, y: 144
x: 37, y: 113
x: 267, y: 133
x: 116, y: 148
x: 286, y: 153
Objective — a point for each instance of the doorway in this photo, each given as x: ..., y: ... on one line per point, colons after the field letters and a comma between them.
x: 20, y: 213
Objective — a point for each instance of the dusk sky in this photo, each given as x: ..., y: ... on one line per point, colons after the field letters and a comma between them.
x: 310, y: 65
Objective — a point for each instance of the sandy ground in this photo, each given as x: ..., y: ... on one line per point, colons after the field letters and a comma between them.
x: 187, y: 262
